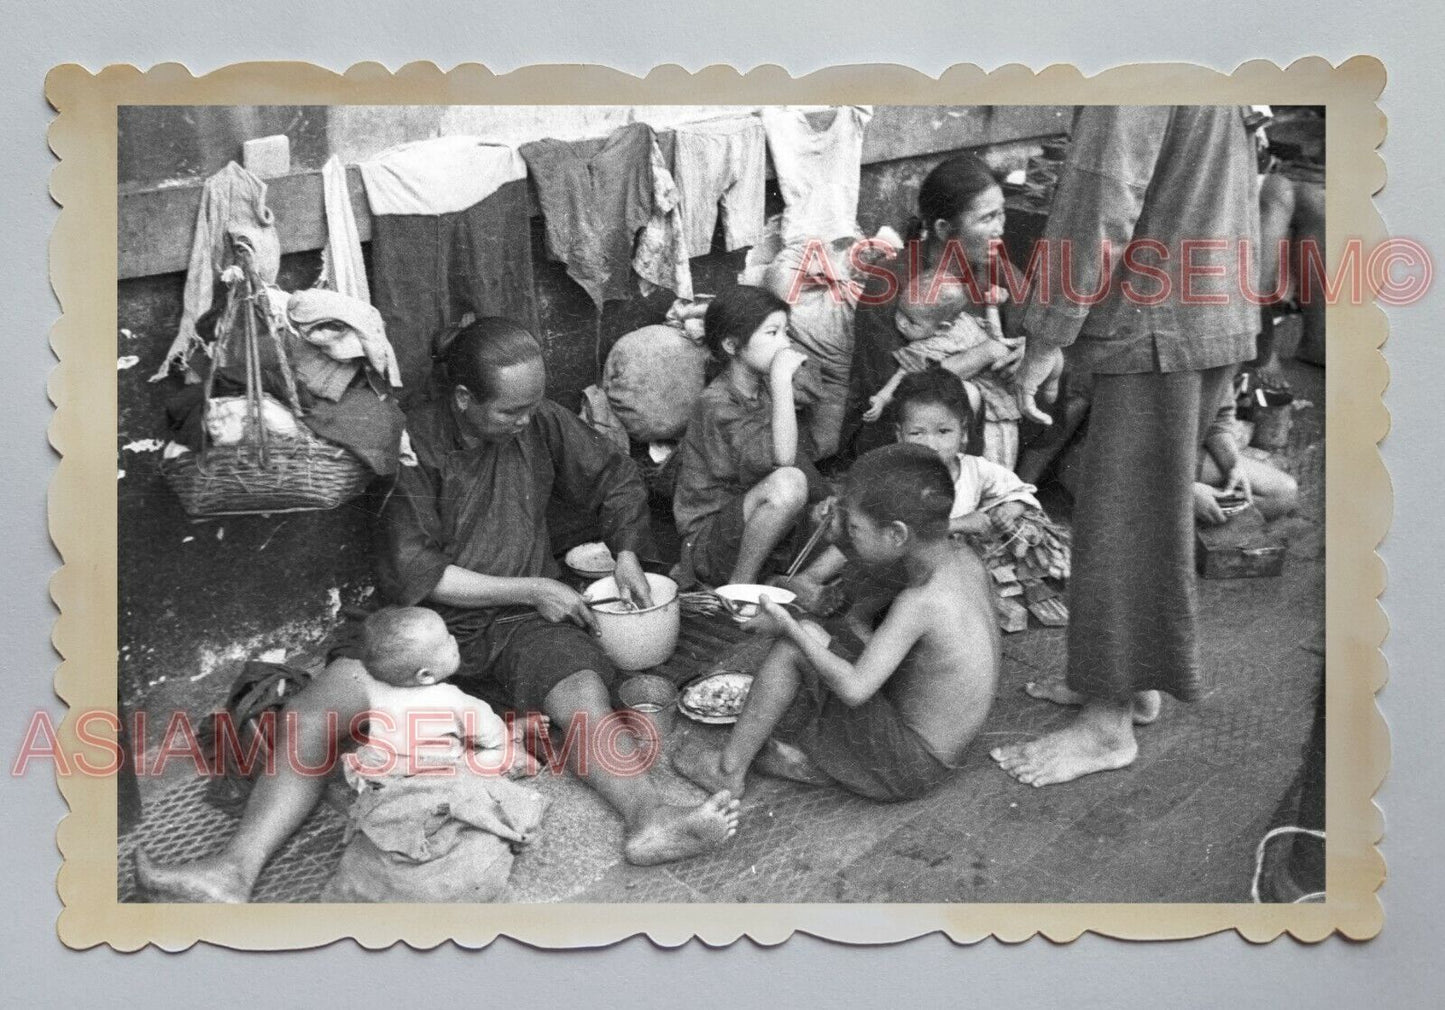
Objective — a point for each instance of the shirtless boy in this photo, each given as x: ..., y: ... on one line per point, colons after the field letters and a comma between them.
x: 885, y: 713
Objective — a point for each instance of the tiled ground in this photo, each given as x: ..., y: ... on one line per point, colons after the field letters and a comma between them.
x: 1180, y: 824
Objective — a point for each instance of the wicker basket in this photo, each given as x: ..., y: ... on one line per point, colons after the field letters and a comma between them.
x: 297, y: 477
x: 263, y: 473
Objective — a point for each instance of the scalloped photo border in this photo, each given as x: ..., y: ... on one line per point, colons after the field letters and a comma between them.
x: 83, y: 269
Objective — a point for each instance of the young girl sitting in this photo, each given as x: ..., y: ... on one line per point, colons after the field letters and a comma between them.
x: 885, y: 713
x: 745, y: 468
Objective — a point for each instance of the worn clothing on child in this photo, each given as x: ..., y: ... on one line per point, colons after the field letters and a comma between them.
x: 982, y: 485
x: 728, y: 448
x: 868, y: 749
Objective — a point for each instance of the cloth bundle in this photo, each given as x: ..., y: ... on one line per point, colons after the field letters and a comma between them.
x: 652, y: 378
x: 345, y: 329
x: 818, y: 170
x: 432, y: 837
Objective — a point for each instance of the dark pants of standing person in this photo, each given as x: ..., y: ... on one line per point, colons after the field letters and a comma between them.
x: 1132, y: 595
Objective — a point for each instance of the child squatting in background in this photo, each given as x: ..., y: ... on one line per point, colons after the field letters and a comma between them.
x: 886, y: 702
x: 745, y: 472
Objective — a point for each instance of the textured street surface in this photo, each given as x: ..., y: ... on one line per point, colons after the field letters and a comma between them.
x: 1179, y: 825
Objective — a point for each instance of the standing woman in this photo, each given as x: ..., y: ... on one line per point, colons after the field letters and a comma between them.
x: 1182, y: 180
x: 959, y: 222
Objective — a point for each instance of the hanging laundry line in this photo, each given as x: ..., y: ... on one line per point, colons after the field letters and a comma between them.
x: 156, y: 223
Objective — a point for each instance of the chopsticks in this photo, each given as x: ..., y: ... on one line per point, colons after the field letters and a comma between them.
x: 817, y: 534
x: 516, y: 618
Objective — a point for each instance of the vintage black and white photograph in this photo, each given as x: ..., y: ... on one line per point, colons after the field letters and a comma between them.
x: 763, y: 504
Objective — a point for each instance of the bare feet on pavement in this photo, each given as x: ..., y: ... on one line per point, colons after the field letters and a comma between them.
x: 784, y: 761
x: 702, y: 764
x: 670, y: 833
x: 1146, y: 703
x: 1099, y: 739
x: 209, y: 880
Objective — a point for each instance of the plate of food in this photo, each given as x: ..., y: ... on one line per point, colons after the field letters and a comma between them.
x: 717, y: 698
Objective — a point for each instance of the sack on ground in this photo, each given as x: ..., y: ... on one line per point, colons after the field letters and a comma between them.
x: 653, y: 378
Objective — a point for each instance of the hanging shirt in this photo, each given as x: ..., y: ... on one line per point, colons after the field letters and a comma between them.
x: 232, y: 213
x: 482, y: 506
x: 817, y: 170
x: 595, y: 196
x: 661, y: 257
x: 342, y: 266
x: 442, y: 175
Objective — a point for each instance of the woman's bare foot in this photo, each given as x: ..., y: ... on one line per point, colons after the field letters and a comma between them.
x: 1099, y: 739
x: 702, y: 764
x: 784, y: 761
x: 669, y: 833
x: 205, y: 881
x: 1146, y: 703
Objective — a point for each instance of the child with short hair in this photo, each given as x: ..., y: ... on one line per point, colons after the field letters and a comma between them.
x: 430, y: 821
x: 745, y: 472
x: 933, y: 411
x: 885, y: 713
x: 410, y: 654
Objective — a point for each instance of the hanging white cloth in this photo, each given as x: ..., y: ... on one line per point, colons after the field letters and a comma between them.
x: 342, y: 268
x: 438, y: 176
x: 817, y: 170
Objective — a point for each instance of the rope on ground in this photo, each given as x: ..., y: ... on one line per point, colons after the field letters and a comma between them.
x: 1288, y: 829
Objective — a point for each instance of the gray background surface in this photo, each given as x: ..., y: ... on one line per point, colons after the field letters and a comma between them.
x: 1400, y: 968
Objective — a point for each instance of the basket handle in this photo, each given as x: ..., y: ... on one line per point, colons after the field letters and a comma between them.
x: 219, y: 348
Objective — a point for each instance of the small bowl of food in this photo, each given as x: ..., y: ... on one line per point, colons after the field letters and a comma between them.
x: 590, y: 561
x: 742, y: 600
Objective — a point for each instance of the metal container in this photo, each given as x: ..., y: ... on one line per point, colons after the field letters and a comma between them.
x: 637, y: 639
x: 653, y: 697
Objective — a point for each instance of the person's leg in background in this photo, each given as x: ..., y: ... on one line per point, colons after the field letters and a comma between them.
x: 1276, y: 215
x: 1309, y: 228
x: 1276, y: 493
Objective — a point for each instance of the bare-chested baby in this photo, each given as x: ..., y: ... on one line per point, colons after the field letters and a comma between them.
x: 886, y: 713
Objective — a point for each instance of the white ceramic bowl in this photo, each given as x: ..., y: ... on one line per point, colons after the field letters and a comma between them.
x: 590, y: 561
x: 745, y: 597
x: 638, y: 639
